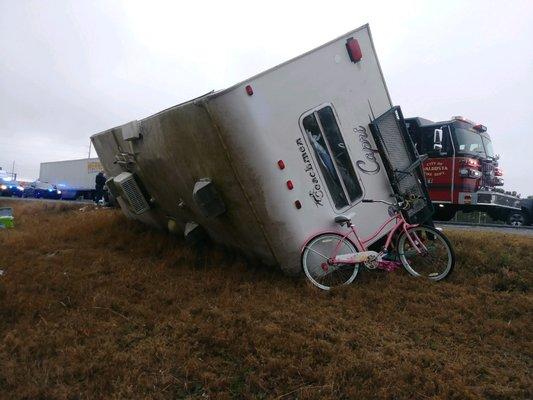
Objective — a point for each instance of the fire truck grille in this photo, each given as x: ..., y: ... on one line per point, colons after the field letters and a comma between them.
x: 487, y: 176
x: 398, y: 154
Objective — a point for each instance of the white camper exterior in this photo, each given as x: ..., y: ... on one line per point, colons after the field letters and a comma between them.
x: 250, y: 165
x: 75, y: 178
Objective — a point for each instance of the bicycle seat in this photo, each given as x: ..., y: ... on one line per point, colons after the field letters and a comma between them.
x: 341, y: 219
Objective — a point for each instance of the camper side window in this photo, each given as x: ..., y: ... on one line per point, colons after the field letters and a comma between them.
x: 332, y: 156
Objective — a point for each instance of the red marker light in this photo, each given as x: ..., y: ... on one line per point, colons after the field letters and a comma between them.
x: 297, y: 204
x: 281, y: 164
x: 249, y: 90
x: 290, y: 186
x: 354, y: 50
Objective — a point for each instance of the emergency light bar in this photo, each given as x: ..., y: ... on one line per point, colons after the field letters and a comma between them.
x: 463, y: 119
x: 480, y: 128
x: 477, y: 127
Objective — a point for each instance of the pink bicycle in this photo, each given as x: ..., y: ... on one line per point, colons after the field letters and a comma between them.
x: 331, y: 259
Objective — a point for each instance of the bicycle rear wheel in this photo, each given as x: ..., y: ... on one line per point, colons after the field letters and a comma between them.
x: 426, y: 253
x: 315, y: 264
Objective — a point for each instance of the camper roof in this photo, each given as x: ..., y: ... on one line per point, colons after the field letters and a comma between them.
x: 215, y: 93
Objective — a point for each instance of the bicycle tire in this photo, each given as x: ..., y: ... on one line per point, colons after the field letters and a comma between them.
x: 315, y: 254
x: 437, y: 253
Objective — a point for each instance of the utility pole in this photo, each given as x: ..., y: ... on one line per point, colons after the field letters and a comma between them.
x: 90, y: 144
x: 13, y: 171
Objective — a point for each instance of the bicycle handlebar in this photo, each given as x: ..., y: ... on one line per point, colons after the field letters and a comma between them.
x: 401, y: 202
x: 377, y: 201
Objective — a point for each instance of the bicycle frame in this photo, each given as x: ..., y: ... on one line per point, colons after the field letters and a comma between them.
x: 400, y: 223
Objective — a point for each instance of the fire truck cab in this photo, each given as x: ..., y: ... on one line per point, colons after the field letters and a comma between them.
x: 461, y: 170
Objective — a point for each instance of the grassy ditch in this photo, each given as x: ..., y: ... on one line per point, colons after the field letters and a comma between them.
x: 95, y: 306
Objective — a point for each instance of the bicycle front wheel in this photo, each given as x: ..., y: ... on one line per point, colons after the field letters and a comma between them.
x: 426, y: 252
x: 316, y: 254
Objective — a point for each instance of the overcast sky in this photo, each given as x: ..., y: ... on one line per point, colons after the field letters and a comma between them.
x: 69, y: 69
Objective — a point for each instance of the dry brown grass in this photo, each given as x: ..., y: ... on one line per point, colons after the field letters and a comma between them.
x: 94, y: 306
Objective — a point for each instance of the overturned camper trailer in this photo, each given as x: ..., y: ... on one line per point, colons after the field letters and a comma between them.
x: 267, y: 163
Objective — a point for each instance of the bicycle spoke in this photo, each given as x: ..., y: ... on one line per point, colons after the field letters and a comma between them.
x: 316, y: 252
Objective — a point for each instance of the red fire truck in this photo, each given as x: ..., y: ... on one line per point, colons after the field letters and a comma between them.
x: 461, y: 170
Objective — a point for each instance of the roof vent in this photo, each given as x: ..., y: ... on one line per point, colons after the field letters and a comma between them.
x: 131, y: 130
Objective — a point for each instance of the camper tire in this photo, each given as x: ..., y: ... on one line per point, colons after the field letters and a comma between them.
x: 444, y: 214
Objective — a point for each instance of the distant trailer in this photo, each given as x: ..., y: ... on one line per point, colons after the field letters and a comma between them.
x: 7, y: 176
x: 75, y: 178
x: 267, y: 163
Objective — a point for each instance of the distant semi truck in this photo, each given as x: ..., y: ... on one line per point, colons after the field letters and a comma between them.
x: 7, y: 176
x: 74, y: 178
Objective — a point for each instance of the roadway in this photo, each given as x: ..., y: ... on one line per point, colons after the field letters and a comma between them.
x: 45, y: 200
x: 524, y: 231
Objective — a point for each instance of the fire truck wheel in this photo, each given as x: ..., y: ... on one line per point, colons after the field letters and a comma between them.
x: 443, y: 214
x: 516, y: 219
